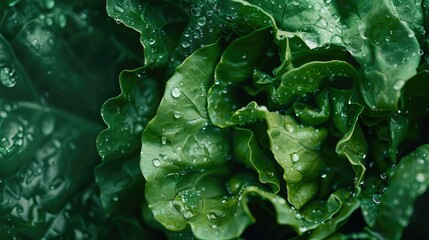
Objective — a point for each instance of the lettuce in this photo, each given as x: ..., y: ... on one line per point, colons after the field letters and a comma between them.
x: 239, y: 119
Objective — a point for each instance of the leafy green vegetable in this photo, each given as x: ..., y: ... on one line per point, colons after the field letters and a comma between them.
x: 273, y: 105
x: 56, y: 69
x: 240, y: 119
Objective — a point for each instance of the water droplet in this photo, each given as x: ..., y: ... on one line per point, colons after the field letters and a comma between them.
x: 156, y: 162
x: 49, y: 4
x: 294, y: 157
x: 176, y: 115
x: 201, y: 21
x: 62, y: 21
x: 48, y: 125
x: 420, y: 177
x: 142, y: 74
x: 187, y: 214
x: 383, y: 175
x: 72, y: 145
x: 56, y: 183
x: 3, y: 114
x: 185, y: 44
x: 115, y: 198
x: 376, y: 198
x: 151, y: 41
x: 421, y: 52
x: 188, y: 202
x: 398, y: 85
x: 289, y: 127
x: 12, y: 3
x: 196, y: 11
x: 118, y: 9
x: 212, y: 216
x: 336, y: 39
x: 19, y: 142
x: 164, y: 140
x: 8, y: 76
x: 49, y: 21
x: 175, y: 92
x: 56, y: 143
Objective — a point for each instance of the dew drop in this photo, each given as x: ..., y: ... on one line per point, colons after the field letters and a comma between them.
x: 56, y: 183
x: 56, y: 143
x: 196, y: 11
x: 118, y: 9
x: 175, y: 92
x: 49, y: 21
x: 185, y: 44
x: 336, y: 39
x: 420, y: 177
x: 8, y: 76
x: 188, y: 214
x: 151, y: 41
x: 115, y: 198
x: 294, y: 157
x: 49, y: 4
x: 289, y: 127
x: 48, y: 125
x: 212, y: 216
x: 176, y: 115
x: 72, y: 146
x: 376, y: 198
x: 398, y: 85
x: 202, y: 21
x: 164, y: 140
x: 19, y: 142
x: 156, y: 162
x: 62, y: 21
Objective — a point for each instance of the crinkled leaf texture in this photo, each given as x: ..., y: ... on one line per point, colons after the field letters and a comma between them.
x: 56, y: 69
x: 185, y: 160
x: 293, y: 108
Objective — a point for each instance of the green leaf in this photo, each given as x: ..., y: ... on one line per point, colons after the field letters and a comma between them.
x: 316, y: 22
x: 247, y: 150
x: 235, y: 66
x: 57, y: 66
x: 118, y: 175
x: 179, y: 160
x: 312, y: 116
x: 155, y: 26
x: 408, y: 181
x: 353, y: 144
x: 387, y: 50
x: 294, y: 148
x: 308, y: 77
